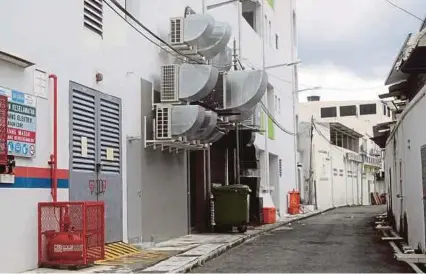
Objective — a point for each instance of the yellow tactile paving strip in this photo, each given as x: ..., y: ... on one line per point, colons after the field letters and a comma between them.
x: 120, y: 253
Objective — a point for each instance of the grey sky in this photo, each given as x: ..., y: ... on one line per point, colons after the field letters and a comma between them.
x: 360, y: 37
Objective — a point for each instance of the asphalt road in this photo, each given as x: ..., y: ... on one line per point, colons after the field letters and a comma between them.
x: 342, y: 240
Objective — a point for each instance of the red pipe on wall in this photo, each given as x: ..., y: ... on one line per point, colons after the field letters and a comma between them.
x: 54, y: 156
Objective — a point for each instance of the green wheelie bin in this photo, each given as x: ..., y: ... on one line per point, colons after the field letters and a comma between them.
x: 231, y: 204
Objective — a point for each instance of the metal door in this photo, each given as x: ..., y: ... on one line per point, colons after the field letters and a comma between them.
x: 109, y: 155
x: 83, y: 142
x: 95, y: 172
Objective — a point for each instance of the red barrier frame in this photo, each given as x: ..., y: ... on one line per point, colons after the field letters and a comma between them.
x: 87, y: 220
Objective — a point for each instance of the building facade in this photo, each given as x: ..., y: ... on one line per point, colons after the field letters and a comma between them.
x: 359, y: 116
x: 334, y: 174
x: 107, y: 72
x: 404, y: 142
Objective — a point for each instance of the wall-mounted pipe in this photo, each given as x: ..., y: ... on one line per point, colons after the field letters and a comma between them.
x: 54, y: 155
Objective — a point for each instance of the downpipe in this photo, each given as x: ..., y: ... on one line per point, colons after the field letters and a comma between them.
x: 54, y: 156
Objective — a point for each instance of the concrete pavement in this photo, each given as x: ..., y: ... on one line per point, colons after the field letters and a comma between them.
x: 343, y: 240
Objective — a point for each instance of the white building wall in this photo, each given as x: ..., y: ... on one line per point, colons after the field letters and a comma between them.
x: 338, y: 180
x: 283, y: 146
x: 339, y: 177
x: 51, y: 34
x: 403, y: 169
x: 360, y: 123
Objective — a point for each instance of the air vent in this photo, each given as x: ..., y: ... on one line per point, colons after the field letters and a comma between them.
x: 176, y: 31
x: 169, y: 83
x: 93, y: 15
x: 163, y: 122
x: 280, y: 167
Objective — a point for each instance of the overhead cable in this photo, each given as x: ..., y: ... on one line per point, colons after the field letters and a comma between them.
x: 122, y: 9
x: 265, y: 109
x: 177, y: 56
x: 402, y: 9
x: 308, y: 86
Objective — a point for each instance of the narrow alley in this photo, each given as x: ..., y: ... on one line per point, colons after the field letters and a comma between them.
x: 343, y: 240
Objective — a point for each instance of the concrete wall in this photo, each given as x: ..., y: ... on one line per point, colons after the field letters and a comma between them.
x: 404, y: 170
x: 157, y: 186
x: 164, y: 186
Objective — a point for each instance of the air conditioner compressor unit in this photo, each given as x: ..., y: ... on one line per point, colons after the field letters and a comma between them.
x: 187, y: 82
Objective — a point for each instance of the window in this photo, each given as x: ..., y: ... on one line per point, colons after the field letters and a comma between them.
x: 367, y: 109
x: 384, y: 110
x: 250, y: 12
x: 389, y: 112
x: 276, y: 102
x: 328, y: 112
x: 249, y: 16
x: 277, y: 42
x: 279, y: 105
x: 348, y: 111
x: 270, y: 33
x: 93, y: 15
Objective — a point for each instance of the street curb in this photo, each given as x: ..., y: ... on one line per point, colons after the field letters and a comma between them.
x: 203, y: 259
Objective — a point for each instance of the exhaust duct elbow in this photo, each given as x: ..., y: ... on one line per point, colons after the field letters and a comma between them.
x: 198, y: 28
x: 245, y: 89
x: 186, y: 120
x: 217, y: 41
x: 223, y: 61
x: 209, y: 36
x: 208, y: 126
x: 196, y: 81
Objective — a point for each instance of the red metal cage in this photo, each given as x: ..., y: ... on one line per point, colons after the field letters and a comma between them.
x: 70, y: 233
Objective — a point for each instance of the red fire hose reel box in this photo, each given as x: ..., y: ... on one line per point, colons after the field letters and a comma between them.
x: 70, y: 233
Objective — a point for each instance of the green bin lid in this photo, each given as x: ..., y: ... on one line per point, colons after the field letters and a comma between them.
x: 232, y: 188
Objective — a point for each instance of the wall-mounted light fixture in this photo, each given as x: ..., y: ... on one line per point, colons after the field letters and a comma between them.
x: 99, y: 77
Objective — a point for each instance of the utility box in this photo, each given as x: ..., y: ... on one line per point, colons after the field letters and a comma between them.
x: 70, y: 234
x: 232, y: 204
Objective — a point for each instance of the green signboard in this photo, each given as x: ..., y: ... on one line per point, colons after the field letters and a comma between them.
x: 271, y: 3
